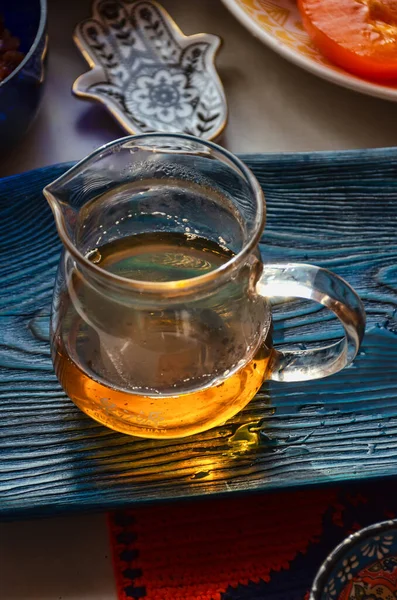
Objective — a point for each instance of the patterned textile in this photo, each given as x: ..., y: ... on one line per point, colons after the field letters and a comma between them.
x: 251, y: 547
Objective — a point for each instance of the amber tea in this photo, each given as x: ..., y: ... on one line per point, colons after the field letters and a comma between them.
x: 164, y: 350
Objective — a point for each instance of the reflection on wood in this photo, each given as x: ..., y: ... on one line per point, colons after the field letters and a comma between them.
x: 336, y: 210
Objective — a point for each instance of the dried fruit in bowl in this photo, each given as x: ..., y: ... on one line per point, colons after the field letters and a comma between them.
x: 358, y: 35
x: 10, y: 56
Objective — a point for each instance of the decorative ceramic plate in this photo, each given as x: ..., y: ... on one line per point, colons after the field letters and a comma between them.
x: 277, y: 24
x: 336, y: 210
x: 147, y: 73
x: 362, y: 567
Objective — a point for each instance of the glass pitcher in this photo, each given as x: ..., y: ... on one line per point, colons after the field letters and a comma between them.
x: 160, y: 317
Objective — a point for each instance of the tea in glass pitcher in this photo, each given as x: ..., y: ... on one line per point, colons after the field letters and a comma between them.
x: 160, y: 313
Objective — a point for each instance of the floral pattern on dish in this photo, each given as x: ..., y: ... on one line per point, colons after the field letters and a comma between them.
x: 362, y: 567
x: 148, y: 74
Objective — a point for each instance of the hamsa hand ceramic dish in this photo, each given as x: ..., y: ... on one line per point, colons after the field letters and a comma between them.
x: 148, y: 74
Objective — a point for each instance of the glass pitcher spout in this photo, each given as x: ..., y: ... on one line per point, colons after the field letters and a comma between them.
x: 72, y: 191
x: 65, y: 215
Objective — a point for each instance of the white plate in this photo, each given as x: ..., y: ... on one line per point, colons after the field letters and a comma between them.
x: 277, y: 24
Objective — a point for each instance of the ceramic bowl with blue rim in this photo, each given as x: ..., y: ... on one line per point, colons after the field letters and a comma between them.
x: 21, y: 91
x: 148, y: 74
x: 362, y: 567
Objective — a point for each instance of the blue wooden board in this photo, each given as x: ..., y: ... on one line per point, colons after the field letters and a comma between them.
x: 337, y: 210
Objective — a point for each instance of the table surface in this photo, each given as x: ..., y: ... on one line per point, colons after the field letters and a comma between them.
x: 274, y: 106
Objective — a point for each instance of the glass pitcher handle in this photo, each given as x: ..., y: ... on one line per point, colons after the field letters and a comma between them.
x: 314, y: 283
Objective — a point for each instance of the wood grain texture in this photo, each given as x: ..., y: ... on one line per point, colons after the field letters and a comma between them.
x: 337, y: 210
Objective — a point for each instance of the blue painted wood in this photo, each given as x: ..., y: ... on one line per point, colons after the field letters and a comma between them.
x: 337, y: 210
